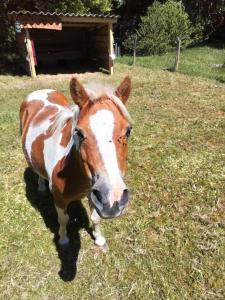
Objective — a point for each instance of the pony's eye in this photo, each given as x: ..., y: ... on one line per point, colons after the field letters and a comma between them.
x: 128, y: 132
x: 79, y: 133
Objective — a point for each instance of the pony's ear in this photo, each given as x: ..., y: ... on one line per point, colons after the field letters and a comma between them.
x: 78, y: 93
x: 124, y: 89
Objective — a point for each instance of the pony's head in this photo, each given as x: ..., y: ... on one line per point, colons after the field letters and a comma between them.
x: 102, y: 131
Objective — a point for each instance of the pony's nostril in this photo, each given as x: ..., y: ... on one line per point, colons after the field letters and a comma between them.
x: 100, y: 197
x: 97, y: 195
x: 124, y: 199
x: 95, y: 198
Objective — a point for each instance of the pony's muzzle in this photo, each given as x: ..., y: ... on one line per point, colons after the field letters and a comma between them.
x: 100, y: 199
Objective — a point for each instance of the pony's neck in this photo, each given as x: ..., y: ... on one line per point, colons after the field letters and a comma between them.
x: 75, y: 176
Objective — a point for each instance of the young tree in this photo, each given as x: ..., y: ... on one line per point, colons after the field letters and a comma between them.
x: 160, y: 28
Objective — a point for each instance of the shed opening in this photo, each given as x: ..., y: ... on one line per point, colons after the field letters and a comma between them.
x: 57, y: 43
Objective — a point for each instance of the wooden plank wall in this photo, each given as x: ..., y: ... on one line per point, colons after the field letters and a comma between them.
x: 98, y: 46
x: 52, y: 46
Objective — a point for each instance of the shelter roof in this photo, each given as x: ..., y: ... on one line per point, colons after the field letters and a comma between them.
x: 41, y: 13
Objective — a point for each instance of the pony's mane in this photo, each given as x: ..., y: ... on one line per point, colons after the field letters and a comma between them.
x: 64, y: 115
x: 95, y: 91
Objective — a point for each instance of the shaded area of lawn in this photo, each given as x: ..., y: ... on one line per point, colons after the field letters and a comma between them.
x: 202, y: 61
x: 44, y: 204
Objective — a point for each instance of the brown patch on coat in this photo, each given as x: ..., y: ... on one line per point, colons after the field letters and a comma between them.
x: 58, y: 98
x: 66, y: 134
x: 27, y: 112
x: 37, y: 155
x: 121, y: 145
x: 46, y: 113
x: 69, y: 180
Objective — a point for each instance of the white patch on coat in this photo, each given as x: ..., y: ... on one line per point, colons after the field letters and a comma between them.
x: 63, y: 114
x: 42, y: 95
x: 53, y: 151
x: 32, y: 133
x: 39, y: 95
x: 102, y: 125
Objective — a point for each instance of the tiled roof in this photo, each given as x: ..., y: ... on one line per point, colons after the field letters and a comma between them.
x: 41, y: 13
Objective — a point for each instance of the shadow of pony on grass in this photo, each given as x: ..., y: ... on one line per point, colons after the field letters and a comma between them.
x: 44, y: 203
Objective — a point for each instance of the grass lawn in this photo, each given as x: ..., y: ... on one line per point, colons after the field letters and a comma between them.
x: 170, y: 243
x: 198, y: 62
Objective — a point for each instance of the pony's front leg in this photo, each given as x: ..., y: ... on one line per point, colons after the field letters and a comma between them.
x: 63, y: 219
x: 41, y: 185
x: 99, y: 238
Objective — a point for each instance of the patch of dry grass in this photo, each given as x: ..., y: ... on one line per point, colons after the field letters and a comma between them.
x: 170, y: 243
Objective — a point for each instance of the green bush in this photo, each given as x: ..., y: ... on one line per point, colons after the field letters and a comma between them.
x: 159, y: 29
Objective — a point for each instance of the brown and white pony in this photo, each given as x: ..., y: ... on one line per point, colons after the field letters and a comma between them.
x: 81, y: 149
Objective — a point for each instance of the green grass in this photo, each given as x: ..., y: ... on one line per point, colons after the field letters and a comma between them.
x: 194, y: 62
x: 170, y: 243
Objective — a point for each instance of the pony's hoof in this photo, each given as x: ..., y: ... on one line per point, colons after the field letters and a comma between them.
x: 100, y: 241
x: 64, y: 242
x: 105, y: 247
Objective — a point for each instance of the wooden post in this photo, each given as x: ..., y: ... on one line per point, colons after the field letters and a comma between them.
x: 135, y: 46
x: 177, y: 60
x: 111, y: 52
x: 30, y: 54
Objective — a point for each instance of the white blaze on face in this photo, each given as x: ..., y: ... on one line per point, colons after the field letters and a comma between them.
x: 102, y: 125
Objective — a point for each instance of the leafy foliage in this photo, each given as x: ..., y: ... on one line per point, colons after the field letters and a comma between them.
x: 160, y: 28
x: 209, y: 12
x: 207, y: 18
x: 82, y: 6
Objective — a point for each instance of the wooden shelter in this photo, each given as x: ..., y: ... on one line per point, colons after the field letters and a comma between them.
x: 46, y: 38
